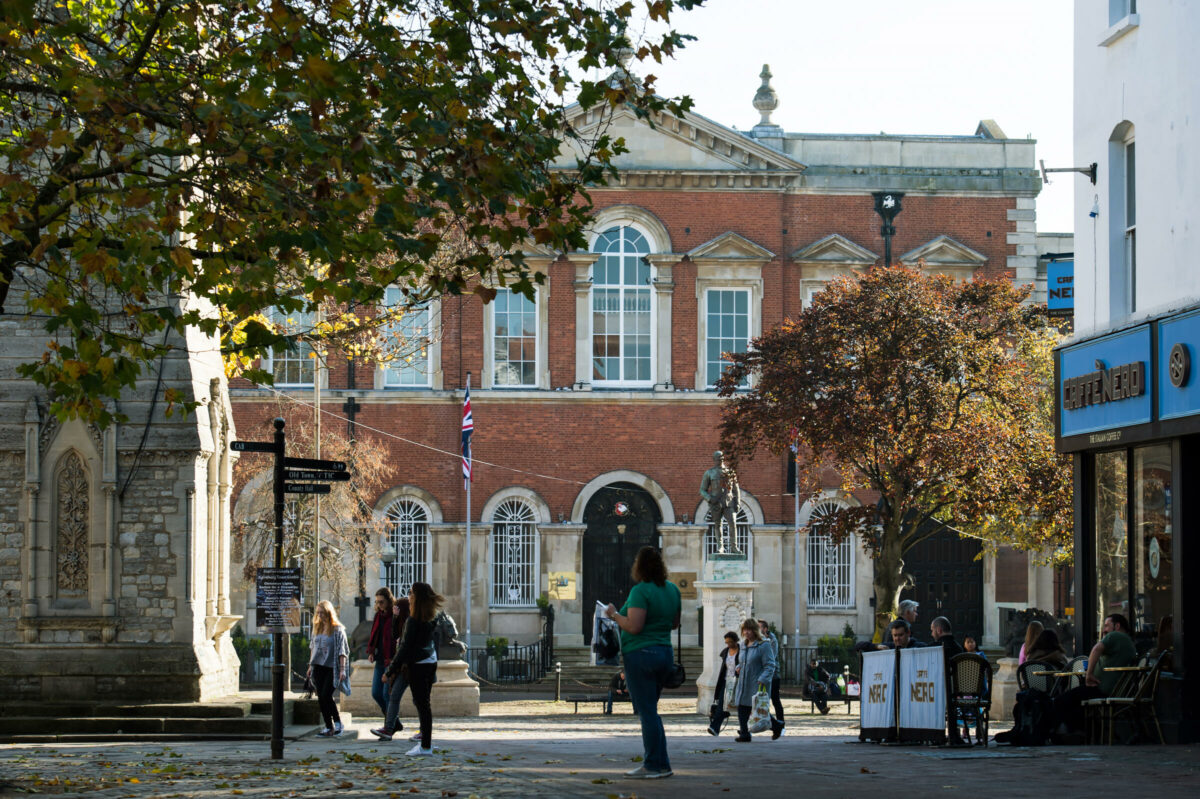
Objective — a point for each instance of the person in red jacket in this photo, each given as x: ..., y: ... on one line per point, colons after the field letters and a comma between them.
x: 381, y: 646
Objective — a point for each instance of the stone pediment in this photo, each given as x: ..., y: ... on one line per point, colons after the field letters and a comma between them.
x: 835, y: 250
x: 945, y: 251
x: 731, y: 247
x: 687, y: 151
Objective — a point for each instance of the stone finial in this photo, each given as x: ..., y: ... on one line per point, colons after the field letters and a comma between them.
x: 621, y: 76
x: 765, y: 99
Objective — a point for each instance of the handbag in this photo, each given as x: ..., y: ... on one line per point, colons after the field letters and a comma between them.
x: 731, y: 693
x: 344, y: 684
x: 678, y: 675
x: 760, y: 712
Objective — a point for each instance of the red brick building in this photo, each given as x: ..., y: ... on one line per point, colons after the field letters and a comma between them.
x: 594, y: 419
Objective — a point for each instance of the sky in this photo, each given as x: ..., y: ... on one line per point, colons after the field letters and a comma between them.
x: 866, y: 66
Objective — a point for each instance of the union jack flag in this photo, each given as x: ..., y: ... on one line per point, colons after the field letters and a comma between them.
x: 468, y: 427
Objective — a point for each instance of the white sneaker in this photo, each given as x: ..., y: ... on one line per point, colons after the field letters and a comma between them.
x: 418, y: 751
x: 337, y: 728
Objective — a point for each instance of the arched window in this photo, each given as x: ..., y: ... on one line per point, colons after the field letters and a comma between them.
x: 712, y: 539
x: 408, y: 533
x: 622, y: 332
x: 72, y: 523
x: 830, y: 564
x: 514, y: 555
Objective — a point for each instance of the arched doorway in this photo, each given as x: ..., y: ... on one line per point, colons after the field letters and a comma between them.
x: 621, y: 518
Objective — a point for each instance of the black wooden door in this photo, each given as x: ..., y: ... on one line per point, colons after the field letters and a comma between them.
x: 949, y: 582
x: 621, y: 519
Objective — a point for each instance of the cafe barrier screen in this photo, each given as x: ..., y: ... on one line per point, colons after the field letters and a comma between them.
x: 877, y: 705
x: 922, y: 695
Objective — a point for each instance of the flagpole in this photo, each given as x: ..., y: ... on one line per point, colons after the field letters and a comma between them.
x: 467, y: 570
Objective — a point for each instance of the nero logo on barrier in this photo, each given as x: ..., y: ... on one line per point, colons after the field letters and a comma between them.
x: 877, y: 693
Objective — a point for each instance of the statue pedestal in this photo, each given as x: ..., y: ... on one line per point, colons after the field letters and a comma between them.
x: 454, y: 693
x: 1004, y: 690
x: 727, y: 604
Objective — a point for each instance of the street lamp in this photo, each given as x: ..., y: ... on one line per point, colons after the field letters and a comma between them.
x: 887, y: 205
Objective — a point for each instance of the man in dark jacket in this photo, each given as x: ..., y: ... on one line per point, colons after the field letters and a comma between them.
x: 939, y: 628
x: 902, y: 635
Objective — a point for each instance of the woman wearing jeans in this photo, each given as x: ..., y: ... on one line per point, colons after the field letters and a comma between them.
x: 327, y: 665
x: 416, y: 658
x: 646, y: 620
x: 382, y: 645
x: 397, y: 685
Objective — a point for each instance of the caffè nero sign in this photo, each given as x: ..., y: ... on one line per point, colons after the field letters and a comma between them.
x: 1104, y: 385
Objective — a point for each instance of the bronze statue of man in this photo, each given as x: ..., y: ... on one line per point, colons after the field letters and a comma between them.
x: 719, y: 487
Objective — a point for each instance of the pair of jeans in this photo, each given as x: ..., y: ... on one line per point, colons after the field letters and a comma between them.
x: 322, y: 680
x: 379, y: 688
x: 421, y: 677
x: 646, y: 670
x: 391, y: 716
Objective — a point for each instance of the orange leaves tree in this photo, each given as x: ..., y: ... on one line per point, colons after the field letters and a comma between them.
x: 931, y: 397
x: 169, y: 163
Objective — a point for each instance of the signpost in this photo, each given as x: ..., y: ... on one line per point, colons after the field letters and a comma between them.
x: 279, y: 589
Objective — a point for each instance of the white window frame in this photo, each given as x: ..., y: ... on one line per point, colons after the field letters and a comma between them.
x: 622, y: 288
x: 490, y: 363
x: 400, y: 574
x: 514, y: 528
x: 817, y: 549
x: 392, y: 373
x: 1129, y: 254
x: 708, y: 332
x: 304, y: 354
x: 745, y: 534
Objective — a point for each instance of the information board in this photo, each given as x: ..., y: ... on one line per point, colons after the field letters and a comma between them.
x: 877, y: 704
x: 278, y: 593
x: 922, y: 694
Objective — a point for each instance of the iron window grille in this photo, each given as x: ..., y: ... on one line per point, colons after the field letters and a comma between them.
x: 408, y: 533
x: 830, y: 564
x: 514, y: 555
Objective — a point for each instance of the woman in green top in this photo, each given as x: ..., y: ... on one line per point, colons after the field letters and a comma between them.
x: 646, y: 620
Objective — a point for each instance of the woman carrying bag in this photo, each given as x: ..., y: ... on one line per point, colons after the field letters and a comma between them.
x: 416, y: 658
x: 646, y: 620
x: 756, y: 671
x: 725, y: 694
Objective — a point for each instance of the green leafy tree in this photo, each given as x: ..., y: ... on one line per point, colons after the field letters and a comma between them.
x: 166, y: 163
x: 928, y: 394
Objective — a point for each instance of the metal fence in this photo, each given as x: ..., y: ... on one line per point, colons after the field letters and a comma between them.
x: 257, y: 655
x: 516, y: 664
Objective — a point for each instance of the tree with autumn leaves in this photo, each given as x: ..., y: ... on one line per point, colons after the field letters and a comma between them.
x: 166, y: 164
x: 929, y: 397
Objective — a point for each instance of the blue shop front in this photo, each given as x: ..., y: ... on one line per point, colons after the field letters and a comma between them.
x: 1128, y: 408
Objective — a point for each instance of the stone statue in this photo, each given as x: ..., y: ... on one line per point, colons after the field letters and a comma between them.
x: 720, y: 488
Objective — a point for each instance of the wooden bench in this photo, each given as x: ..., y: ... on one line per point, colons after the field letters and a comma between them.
x: 577, y: 698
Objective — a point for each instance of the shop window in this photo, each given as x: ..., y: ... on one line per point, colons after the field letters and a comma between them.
x: 1111, y: 534
x: 1153, y: 537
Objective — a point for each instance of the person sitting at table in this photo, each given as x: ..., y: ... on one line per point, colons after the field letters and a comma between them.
x: 902, y: 635
x: 939, y: 628
x: 617, y: 691
x: 1114, y: 650
x: 1047, y: 649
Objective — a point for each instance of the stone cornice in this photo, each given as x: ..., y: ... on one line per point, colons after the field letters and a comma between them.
x: 491, y: 396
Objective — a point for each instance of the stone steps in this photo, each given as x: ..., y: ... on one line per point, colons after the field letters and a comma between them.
x: 189, y: 710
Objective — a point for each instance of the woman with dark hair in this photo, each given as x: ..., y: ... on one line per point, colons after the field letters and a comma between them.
x: 726, y: 673
x: 397, y: 684
x: 416, y: 658
x: 1047, y: 649
x: 381, y: 645
x: 646, y: 620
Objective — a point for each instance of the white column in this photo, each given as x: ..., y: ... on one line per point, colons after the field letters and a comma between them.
x: 726, y: 605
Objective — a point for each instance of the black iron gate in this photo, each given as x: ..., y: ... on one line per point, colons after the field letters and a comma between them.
x: 621, y: 518
x: 949, y: 582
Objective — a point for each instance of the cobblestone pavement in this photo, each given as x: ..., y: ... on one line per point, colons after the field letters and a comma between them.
x: 531, y: 748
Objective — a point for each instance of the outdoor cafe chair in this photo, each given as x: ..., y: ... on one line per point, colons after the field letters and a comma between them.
x: 1029, y: 678
x: 971, y: 694
x: 1132, y: 697
x: 1078, y: 666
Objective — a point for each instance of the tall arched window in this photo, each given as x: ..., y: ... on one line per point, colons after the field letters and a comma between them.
x: 712, y: 539
x: 408, y: 533
x: 622, y: 332
x: 830, y: 563
x: 514, y: 555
